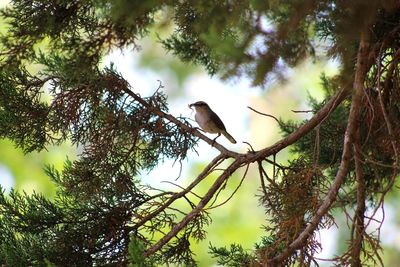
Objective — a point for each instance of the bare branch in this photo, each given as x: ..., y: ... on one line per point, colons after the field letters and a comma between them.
x: 264, y: 114
x: 217, y: 184
x: 215, y: 162
x: 260, y: 170
x: 302, y: 111
x: 251, y: 147
x: 181, y: 187
x: 234, y: 191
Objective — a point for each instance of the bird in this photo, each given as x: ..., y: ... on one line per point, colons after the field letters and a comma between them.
x: 209, y: 121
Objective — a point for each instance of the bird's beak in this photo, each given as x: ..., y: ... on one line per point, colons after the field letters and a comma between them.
x: 190, y: 105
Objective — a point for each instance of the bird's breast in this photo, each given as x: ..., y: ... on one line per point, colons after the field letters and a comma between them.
x: 206, y: 123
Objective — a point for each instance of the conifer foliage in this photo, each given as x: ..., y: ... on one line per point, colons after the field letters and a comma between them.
x: 102, y: 215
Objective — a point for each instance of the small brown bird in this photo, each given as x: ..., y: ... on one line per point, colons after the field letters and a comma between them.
x: 209, y: 121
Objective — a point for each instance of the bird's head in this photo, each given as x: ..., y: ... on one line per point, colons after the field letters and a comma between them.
x: 199, y: 105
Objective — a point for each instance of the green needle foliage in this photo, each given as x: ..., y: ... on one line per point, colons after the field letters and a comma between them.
x: 103, y: 215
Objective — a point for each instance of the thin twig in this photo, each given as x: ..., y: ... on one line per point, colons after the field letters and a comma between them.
x: 216, y: 195
x: 251, y: 147
x: 385, y: 115
x: 302, y: 111
x: 271, y: 181
x: 234, y: 191
x: 265, y: 114
x: 317, y: 149
x: 181, y: 187
x: 273, y: 163
x: 260, y: 170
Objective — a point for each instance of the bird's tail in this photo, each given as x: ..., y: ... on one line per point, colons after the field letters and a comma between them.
x: 229, y: 137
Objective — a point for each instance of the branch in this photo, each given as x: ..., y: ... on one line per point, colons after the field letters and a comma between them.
x: 175, y: 230
x: 362, y: 67
x: 301, y: 111
x: 260, y: 170
x: 385, y: 115
x: 358, y: 222
x: 183, y: 126
x: 215, y: 162
x: 264, y: 114
x: 234, y: 191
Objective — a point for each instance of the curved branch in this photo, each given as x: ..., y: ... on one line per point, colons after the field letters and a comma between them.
x: 362, y: 67
x: 234, y: 191
x: 265, y: 114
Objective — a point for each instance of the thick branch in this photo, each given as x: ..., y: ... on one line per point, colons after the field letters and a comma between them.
x: 362, y: 67
x: 359, y: 213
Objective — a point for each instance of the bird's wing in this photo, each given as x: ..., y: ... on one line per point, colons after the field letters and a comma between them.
x: 214, y: 117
